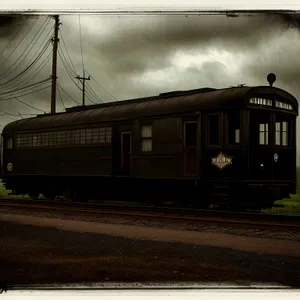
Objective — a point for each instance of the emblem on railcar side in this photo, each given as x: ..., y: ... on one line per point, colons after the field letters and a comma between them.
x: 221, y: 161
x: 276, y: 157
x: 10, y: 166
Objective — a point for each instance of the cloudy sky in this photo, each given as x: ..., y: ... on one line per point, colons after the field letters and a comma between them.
x: 130, y: 56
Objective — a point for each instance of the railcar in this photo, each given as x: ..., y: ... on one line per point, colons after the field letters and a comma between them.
x: 232, y: 147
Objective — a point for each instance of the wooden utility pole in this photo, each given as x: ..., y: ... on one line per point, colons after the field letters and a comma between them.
x: 54, y: 65
x: 83, y: 86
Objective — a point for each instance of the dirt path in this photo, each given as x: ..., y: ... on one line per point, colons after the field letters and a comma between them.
x: 242, y: 243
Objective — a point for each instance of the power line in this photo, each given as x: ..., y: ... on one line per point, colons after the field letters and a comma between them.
x: 62, y: 38
x: 29, y: 78
x: 83, y: 86
x: 94, y: 93
x: 23, y: 88
x: 30, y: 92
x: 87, y: 95
x: 67, y: 93
x: 62, y: 102
x: 3, y: 74
x: 104, y: 88
x: 29, y: 105
x: 61, y: 52
x: 70, y: 75
x: 22, y: 73
x: 13, y: 37
x: 81, y: 43
x: 7, y: 113
x: 19, y: 43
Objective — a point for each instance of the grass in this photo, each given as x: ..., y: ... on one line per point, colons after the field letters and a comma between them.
x: 290, y: 206
x: 3, y: 191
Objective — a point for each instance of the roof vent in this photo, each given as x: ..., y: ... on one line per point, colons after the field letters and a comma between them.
x: 271, y: 78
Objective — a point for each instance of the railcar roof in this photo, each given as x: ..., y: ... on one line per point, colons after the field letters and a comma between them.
x: 173, y: 102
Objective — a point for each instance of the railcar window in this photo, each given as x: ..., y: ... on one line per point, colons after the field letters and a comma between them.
x: 234, y: 128
x: 108, y: 134
x: 146, y: 138
x: 82, y: 136
x: 50, y: 138
x: 282, y: 133
x: 264, y: 134
x: 261, y: 101
x: 95, y: 135
x: 44, y: 139
x: 9, y: 143
x: 190, y: 134
x: 214, y: 129
x: 283, y: 105
x: 34, y: 140
x: 89, y: 136
x: 101, y: 135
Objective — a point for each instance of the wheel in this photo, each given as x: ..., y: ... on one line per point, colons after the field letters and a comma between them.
x: 69, y: 194
x: 200, y: 205
x: 33, y: 195
x: 82, y: 196
x: 50, y: 195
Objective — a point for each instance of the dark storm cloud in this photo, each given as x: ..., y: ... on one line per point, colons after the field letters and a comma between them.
x: 136, y: 56
x: 10, y: 23
x: 149, y: 43
x: 282, y: 59
x: 289, y: 20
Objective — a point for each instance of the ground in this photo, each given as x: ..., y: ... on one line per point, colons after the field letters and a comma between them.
x: 44, y: 250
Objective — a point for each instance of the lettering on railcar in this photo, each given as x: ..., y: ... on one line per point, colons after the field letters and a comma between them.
x: 221, y: 161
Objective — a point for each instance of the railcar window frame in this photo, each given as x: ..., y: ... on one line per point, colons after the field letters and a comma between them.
x: 145, y: 139
x: 289, y: 128
x: 65, y: 138
x: 186, y: 131
x: 228, y: 129
x: 9, y: 142
x: 208, y: 124
x: 264, y: 131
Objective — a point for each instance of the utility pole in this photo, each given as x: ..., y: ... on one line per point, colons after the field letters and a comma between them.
x: 54, y: 65
x: 83, y: 86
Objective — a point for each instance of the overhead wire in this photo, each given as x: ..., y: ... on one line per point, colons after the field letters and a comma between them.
x: 23, y: 72
x: 26, y: 87
x: 87, y: 96
x: 13, y: 37
x: 30, y: 77
x: 61, y: 52
x: 7, y: 113
x: 6, y: 58
x: 33, y: 75
x: 66, y: 68
x: 104, y: 88
x: 62, y: 38
x: 7, y: 70
x: 81, y: 43
x: 94, y: 93
x: 30, y: 92
x: 21, y: 101
x: 68, y: 94
x: 62, y: 102
x: 40, y: 52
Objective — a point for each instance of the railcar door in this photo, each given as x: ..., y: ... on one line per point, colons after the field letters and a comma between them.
x: 125, y: 152
x: 284, y: 154
x: 190, y: 157
x: 260, y: 154
x: 272, y: 151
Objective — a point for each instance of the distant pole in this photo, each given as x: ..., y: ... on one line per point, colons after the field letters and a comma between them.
x: 83, y: 86
x: 54, y: 65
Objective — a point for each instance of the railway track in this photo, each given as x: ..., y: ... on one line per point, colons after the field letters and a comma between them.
x: 157, y: 212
